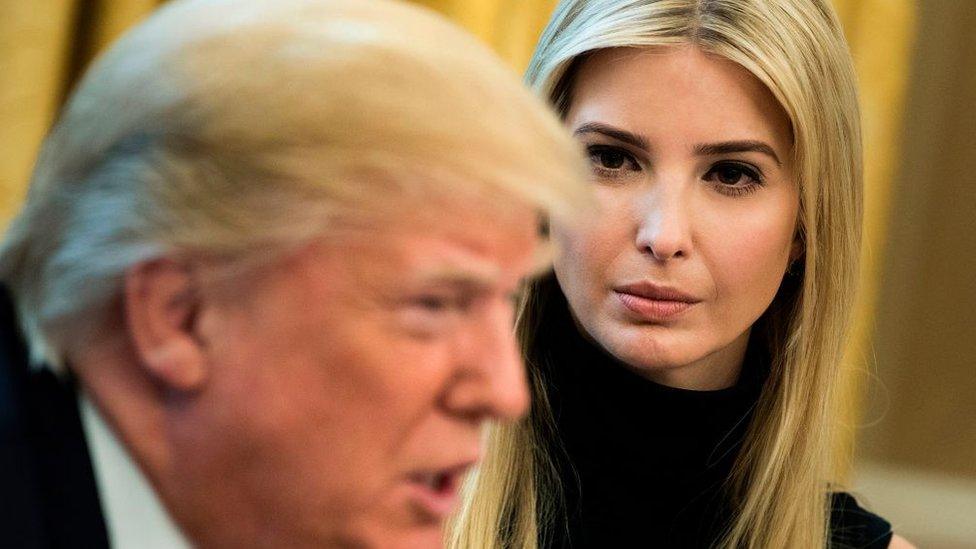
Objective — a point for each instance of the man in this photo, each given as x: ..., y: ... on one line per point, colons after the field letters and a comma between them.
x: 260, y: 293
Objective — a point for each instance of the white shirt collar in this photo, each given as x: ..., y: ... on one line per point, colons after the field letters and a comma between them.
x: 134, y: 516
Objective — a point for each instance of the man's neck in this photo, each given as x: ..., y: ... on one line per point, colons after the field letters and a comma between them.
x: 134, y: 515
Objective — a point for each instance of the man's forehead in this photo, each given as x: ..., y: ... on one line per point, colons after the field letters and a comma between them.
x: 467, y: 267
x: 458, y: 249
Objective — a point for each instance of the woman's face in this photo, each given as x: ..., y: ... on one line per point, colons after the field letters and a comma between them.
x: 697, y: 211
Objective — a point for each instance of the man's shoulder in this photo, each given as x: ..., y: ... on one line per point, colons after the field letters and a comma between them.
x: 49, y: 494
x: 13, y: 369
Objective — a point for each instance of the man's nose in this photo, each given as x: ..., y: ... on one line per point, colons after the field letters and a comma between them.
x: 663, y: 222
x: 491, y: 380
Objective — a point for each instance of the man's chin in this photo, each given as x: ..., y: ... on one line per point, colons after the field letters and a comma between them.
x: 385, y: 535
x: 428, y: 537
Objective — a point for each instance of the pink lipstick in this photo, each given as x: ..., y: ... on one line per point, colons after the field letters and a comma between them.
x: 654, y: 302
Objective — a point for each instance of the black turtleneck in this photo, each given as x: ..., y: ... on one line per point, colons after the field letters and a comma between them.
x: 646, y: 465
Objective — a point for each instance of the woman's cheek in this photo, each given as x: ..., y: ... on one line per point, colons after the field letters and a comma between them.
x: 585, y: 248
x: 753, y: 261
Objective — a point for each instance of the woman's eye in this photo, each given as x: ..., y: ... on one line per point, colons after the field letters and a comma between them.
x: 734, y: 176
x: 605, y: 158
x: 612, y: 159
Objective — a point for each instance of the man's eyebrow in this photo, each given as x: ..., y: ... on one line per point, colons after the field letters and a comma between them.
x: 471, y: 275
x: 630, y: 138
x: 457, y: 278
x: 726, y: 147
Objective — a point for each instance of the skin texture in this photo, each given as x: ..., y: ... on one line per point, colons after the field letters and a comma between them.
x: 718, y: 226
x: 291, y: 407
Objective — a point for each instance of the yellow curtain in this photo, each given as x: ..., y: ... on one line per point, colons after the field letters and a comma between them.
x: 45, y: 45
x: 33, y: 41
x: 510, y: 27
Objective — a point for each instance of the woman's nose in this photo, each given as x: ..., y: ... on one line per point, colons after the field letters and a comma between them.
x: 663, y: 224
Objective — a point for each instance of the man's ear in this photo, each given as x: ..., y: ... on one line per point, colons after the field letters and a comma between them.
x: 160, y: 306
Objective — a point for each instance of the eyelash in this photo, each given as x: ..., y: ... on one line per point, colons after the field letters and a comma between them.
x: 594, y: 151
x: 427, y: 316
x: 754, y: 174
x: 438, y: 304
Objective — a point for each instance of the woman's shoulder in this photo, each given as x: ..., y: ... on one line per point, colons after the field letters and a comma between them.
x: 855, y: 527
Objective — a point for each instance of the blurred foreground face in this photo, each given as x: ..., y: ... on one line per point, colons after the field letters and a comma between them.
x: 282, y: 276
x: 349, y: 382
x: 697, y: 211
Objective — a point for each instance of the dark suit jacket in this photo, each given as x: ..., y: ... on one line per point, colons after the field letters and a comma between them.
x: 48, y: 495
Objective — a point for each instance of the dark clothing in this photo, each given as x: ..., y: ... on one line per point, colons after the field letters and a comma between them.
x: 48, y: 496
x: 652, y: 461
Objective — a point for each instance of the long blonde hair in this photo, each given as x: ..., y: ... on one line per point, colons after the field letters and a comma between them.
x: 780, y: 481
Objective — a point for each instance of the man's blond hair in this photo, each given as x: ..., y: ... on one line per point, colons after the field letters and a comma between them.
x: 233, y: 128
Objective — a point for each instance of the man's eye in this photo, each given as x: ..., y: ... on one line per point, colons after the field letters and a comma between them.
x: 430, y: 315
x: 434, y: 303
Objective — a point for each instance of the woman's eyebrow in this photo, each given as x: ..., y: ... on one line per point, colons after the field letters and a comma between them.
x: 725, y: 147
x: 633, y: 139
x: 706, y: 149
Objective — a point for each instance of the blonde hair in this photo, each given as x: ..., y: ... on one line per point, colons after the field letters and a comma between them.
x: 235, y: 128
x: 780, y: 480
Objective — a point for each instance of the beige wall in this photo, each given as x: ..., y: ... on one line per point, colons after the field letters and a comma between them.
x: 925, y: 336
x: 917, y: 452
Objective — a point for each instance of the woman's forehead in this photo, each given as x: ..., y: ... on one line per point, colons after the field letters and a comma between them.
x: 663, y: 92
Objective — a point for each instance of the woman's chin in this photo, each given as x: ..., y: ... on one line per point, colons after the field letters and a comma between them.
x: 672, y: 359
x: 647, y: 348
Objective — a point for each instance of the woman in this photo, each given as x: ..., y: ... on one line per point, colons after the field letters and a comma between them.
x: 685, y: 353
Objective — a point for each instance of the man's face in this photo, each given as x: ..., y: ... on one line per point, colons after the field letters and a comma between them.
x: 348, y: 384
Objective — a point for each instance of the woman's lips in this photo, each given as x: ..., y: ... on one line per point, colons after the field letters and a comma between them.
x: 653, y: 302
